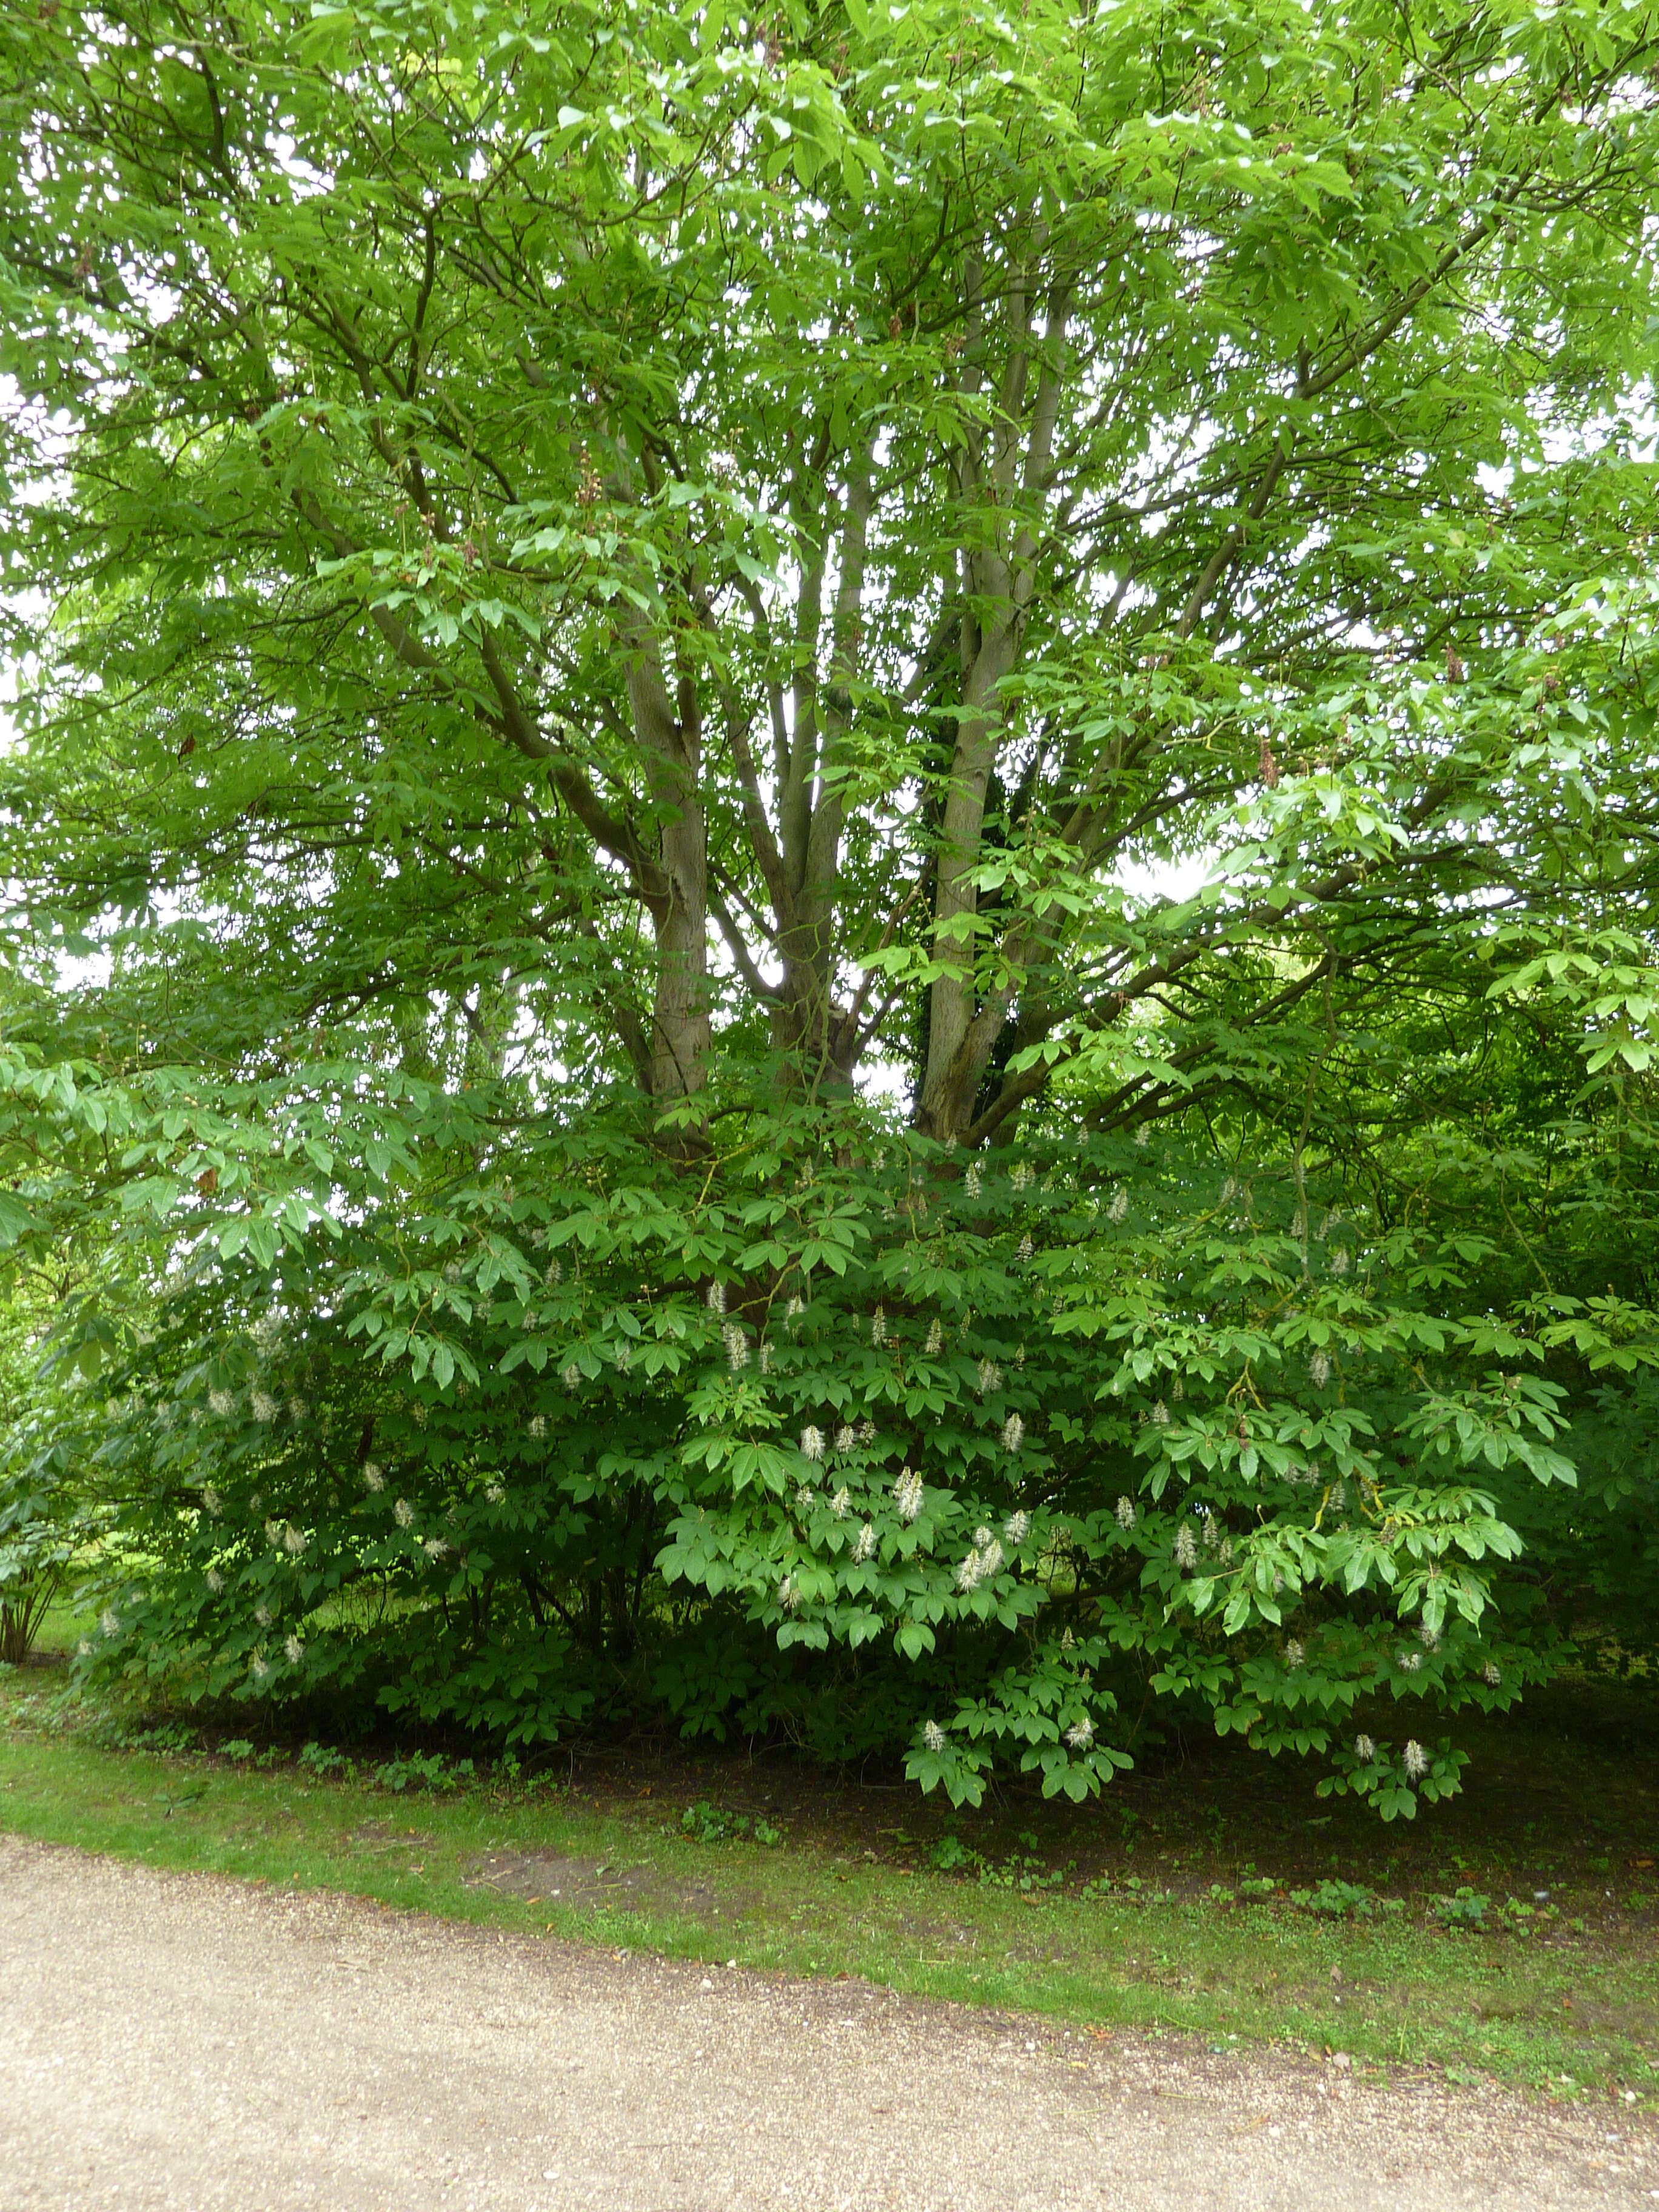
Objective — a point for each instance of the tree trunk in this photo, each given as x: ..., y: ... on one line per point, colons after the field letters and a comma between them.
x: 673, y: 744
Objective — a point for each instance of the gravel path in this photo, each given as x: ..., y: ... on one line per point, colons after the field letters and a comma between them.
x: 185, y: 2041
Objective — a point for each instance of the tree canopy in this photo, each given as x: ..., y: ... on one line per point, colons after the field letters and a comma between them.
x: 832, y: 842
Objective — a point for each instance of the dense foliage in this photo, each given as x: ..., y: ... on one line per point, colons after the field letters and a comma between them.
x: 833, y: 852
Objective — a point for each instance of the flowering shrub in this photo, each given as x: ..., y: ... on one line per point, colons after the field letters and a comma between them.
x: 568, y: 1443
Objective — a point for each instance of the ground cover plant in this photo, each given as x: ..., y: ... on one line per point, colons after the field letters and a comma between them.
x: 1209, y: 1903
x: 829, y: 850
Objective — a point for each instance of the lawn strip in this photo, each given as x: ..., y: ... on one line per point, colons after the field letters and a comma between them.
x: 1387, y: 1991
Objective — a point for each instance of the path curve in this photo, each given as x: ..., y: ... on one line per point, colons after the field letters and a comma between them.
x: 186, y: 2041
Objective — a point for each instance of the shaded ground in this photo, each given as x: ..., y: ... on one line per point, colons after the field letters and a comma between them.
x: 1560, y: 1797
x: 170, y: 2040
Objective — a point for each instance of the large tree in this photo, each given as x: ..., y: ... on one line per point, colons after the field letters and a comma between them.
x: 815, y: 493
x: 666, y: 557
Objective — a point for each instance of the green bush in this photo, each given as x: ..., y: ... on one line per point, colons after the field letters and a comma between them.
x: 955, y: 1462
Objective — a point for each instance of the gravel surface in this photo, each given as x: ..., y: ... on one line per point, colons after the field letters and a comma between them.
x: 182, y: 2040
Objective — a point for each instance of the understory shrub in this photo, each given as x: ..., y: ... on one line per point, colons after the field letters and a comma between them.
x: 984, y: 1464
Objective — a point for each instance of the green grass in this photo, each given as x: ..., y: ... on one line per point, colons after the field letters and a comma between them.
x: 1015, y: 1928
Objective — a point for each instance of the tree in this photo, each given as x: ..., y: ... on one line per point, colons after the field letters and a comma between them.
x: 701, y: 555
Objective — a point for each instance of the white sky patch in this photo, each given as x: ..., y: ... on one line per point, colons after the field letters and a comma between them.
x: 1176, y: 880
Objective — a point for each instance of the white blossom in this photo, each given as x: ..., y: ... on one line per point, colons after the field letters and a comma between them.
x: 1410, y: 1661
x: 736, y: 1347
x: 434, y: 1547
x: 1013, y: 1433
x: 907, y: 1494
x: 293, y: 1651
x: 1492, y: 1673
x: 1364, y: 1750
x: 982, y: 1537
x: 805, y: 1497
x: 935, y: 1338
x: 794, y: 1309
x: 1143, y: 1136
x: 1160, y: 1415
x: 624, y: 1356
x: 789, y: 1593
x: 878, y: 1328
x: 212, y: 1504
x: 264, y: 1406
x: 554, y: 1276
x: 495, y: 1493
x: 223, y: 1402
x: 971, y: 1182
x: 846, y: 1437
x: 990, y: 1559
x: 1081, y: 1733
x: 990, y: 1377
x: 421, y: 1412
x: 866, y: 1431
x: 292, y: 1541
x: 214, y: 1580
x: 1340, y: 1260
x: 933, y: 1736
x: 570, y: 1375
x: 865, y: 1547
x: 259, y: 1668
x: 1186, y: 1552
x: 1024, y: 1248
x: 811, y: 1443
x: 262, y: 1614
x: 968, y: 1573
x: 1294, y: 1654
x: 1118, y: 1210
x: 1125, y: 1513
x: 109, y: 1621
x: 538, y: 1427
x: 1415, y: 1760
x: 716, y: 1299
x: 403, y: 1513
x: 1016, y: 1528
x: 1429, y: 1638
x: 841, y: 1503
x: 1319, y: 1367
x: 373, y: 1475
x: 274, y: 1535
x: 765, y: 1360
